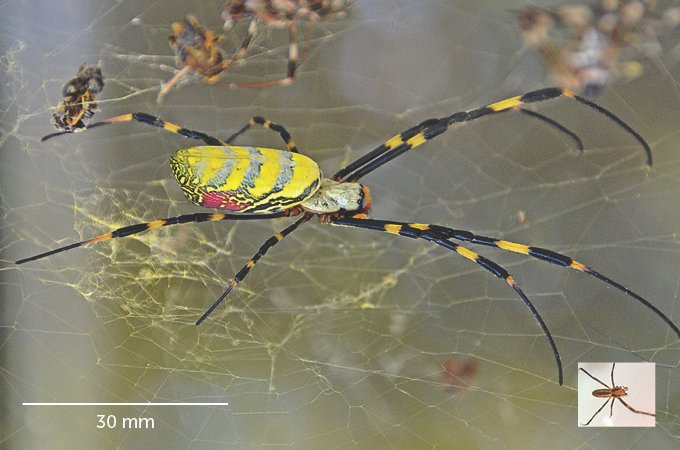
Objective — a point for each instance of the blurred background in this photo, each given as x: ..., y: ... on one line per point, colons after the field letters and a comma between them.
x: 339, y: 338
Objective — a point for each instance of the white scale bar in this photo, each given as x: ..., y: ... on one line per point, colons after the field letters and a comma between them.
x: 121, y: 404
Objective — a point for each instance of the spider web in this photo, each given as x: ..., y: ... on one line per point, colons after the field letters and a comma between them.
x: 338, y: 336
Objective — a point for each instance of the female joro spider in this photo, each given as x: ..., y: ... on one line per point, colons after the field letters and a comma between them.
x: 254, y: 183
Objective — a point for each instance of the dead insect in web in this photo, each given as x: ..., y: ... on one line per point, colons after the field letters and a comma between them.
x: 457, y: 374
x: 611, y: 393
x: 522, y: 217
x: 280, y: 14
x: 79, y: 95
x: 587, y: 47
x: 195, y: 49
x: 255, y: 183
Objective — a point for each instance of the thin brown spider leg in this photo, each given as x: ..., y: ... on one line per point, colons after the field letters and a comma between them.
x: 238, y: 55
x: 258, y: 120
x: 165, y: 88
x: 293, y: 56
x: 308, y: 41
x: 633, y: 409
x: 596, y: 379
x: 612, y: 374
x: 243, y: 50
x: 142, y: 227
x: 598, y: 411
x: 153, y: 121
x: 269, y: 243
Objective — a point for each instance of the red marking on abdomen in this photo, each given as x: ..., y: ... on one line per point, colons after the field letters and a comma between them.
x: 222, y: 200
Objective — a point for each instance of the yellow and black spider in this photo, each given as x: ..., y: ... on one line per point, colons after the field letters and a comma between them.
x: 253, y: 183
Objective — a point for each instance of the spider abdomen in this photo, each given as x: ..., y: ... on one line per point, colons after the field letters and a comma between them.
x: 245, y: 179
x: 617, y: 391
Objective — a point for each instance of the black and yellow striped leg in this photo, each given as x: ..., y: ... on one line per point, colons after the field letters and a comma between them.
x: 417, y: 229
x: 549, y: 94
x: 269, y: 243
x: 142, y: 227
x: 258, y: 120
x: 502, y: 273
x: 553, y: 258
x: 153, y: 121
x: 396, y: 145
x: 429, y: 129
x: 422, y: 231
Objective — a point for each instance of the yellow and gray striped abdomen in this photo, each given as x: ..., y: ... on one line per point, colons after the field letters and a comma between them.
x: 245, y: 179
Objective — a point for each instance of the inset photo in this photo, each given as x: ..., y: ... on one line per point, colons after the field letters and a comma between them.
x: 616, y: 394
